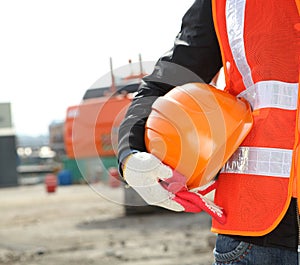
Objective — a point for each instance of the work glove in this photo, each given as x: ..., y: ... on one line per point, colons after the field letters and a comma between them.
x: 159, y: 185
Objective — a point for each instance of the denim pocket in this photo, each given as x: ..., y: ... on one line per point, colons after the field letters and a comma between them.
x: 230, y: 251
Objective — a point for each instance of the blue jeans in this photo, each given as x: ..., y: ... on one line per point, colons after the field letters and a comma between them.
x: 234, y: 252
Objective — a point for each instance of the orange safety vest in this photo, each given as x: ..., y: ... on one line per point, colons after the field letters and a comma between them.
x: 260, y: 45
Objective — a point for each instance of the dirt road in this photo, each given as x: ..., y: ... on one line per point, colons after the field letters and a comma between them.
x: 75, y: 225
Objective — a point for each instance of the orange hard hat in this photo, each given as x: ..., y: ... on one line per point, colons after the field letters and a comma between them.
x: 195, y: 128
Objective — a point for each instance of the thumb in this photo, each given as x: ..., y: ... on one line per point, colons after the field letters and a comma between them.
x: 163, y: 172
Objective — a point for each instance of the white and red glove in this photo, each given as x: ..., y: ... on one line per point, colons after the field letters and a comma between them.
x: 159, y: 185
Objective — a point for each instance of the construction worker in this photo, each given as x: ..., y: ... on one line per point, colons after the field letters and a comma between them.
x: 258, y: 44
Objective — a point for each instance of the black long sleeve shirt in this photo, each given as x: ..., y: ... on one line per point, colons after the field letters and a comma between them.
x: 195, y: 57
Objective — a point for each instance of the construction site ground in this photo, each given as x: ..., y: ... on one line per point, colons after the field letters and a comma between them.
x: 78, y: 225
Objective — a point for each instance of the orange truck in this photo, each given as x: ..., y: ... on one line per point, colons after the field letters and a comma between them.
x: 91, y: 128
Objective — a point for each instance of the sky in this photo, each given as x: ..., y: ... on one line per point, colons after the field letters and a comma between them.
x: 51, y: 52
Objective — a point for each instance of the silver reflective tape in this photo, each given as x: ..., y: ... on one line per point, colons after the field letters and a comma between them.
x: 272, y: 94
x: 271, y: 162
x: 235, y: 17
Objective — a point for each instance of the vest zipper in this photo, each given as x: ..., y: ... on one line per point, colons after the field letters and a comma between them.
x: 298, y: 224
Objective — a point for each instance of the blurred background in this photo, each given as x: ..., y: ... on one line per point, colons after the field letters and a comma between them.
x: 52, y: 52
x: 69, y: 70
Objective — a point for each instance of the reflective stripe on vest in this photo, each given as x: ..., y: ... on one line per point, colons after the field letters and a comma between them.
x: 272, y: 94
x: 235, y: 12
x: 260, y: 161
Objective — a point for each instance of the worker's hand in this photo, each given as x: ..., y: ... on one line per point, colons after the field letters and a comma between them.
x: 159, y: 185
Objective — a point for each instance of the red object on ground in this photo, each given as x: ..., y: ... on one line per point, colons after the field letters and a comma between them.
x: 114, y: 181
x: 51, y: 183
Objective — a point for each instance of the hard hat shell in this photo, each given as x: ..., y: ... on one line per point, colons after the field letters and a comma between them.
x: 195, y: 128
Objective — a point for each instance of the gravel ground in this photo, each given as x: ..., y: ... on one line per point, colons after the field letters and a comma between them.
x: 75, y: 225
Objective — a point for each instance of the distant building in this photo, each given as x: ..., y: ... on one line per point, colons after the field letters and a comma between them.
x: 56, y: 137
x: 8, y: 154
